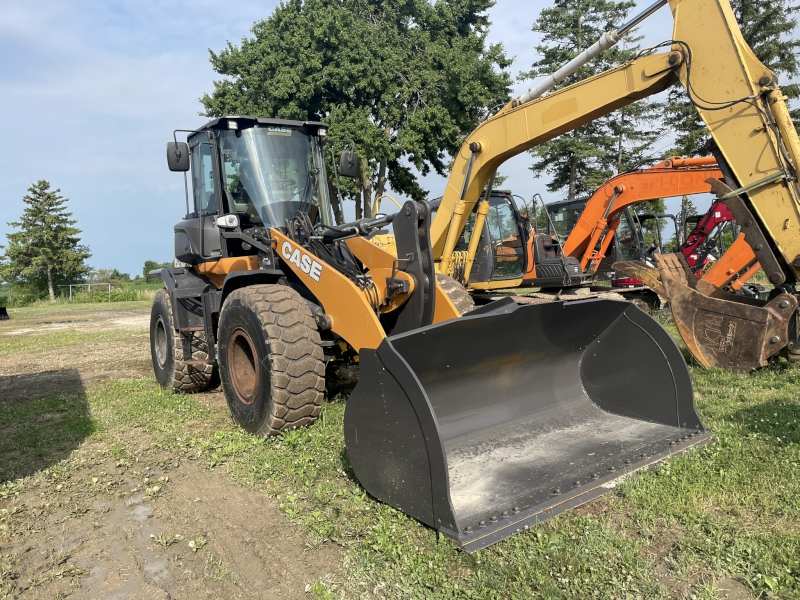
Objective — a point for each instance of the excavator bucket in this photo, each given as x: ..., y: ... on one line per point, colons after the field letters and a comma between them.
x: 722, y: 329
x: 486, y: 425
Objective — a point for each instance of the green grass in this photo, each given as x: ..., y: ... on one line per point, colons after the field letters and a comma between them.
x: 730, y: 510
x: 30, y: 343
x: 45, y: 310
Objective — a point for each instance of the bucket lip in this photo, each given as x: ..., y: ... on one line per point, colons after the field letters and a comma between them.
x: 532, y: 516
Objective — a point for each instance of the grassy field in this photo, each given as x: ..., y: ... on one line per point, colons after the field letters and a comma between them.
x: 719, y: 522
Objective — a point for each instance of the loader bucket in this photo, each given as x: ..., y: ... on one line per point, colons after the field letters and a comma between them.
x: 485, y: 425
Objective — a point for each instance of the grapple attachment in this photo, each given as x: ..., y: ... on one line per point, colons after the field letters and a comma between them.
x: 485, y: 425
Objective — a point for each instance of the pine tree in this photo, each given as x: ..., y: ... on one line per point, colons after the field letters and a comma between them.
x: 581, y: 160
x: 769, y: 29
x: 46, y: 250
x: 687, y: 210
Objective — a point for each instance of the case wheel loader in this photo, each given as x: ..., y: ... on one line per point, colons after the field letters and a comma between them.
x: 479, y: 423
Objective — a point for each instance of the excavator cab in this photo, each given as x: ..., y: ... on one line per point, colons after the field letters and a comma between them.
x: 501, y: 254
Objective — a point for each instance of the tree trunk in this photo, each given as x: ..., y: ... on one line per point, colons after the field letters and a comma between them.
x: 573, y: 176
x: 366, y: 188
x: 50, y: 285
x: 380, y: 188
x: 333, y: 194
x: 359, y: 212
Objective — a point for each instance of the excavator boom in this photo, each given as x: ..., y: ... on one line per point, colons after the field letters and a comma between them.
x: 755, y: 147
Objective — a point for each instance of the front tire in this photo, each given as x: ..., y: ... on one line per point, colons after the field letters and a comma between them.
x: 270, y: 359
x: 166, y: 352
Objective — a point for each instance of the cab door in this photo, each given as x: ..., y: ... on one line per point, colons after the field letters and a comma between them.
x: 508, y: 240
x: 197, y: 238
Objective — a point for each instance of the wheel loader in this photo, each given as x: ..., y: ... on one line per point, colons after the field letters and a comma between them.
x: 478, y: 424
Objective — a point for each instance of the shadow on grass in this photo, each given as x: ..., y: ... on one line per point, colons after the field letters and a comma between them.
x: 775, y: 419
x: 43, y: 418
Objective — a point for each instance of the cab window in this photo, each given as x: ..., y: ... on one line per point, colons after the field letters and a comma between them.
x: 203, y: 180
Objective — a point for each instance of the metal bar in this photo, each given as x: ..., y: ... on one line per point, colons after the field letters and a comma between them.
x: 606, y: 41
x: 626, y: 27
x: 756, y: 184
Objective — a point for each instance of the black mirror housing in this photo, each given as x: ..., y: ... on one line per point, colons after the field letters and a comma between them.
x: 178, y: 156
x: 348, y: 164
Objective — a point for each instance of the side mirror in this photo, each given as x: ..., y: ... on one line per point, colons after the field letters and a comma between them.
x: 178, y: 156
x: 348, y: 164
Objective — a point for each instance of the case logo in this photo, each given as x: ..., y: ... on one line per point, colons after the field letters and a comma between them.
x: 278, y: 131
x: 303, y: 261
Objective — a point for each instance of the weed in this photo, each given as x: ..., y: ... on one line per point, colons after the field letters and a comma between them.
x: 166, y: 540
x: 215, y: 569
x: 197, y: 543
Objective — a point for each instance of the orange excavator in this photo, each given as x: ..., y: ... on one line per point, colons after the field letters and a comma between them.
x: 580, y: 241
x: 588, y: 235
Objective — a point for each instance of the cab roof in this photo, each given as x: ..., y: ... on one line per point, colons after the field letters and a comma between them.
x: 245, y: 122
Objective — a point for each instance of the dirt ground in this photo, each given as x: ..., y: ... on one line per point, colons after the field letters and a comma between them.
x: 127, y: 520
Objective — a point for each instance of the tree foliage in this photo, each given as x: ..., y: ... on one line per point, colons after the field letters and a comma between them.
x: 46, y: 250
x: 151, y: 265
x: 406, y: 80
x: 769, y: 29
x: 581, y: 160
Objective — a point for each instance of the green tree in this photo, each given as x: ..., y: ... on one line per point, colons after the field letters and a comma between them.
x: 581, y: 160
x: 46, y: 250
x: 151, y: 265
x: 112, y: 276
x: 404, y: 79
x: 769, y: 29
x: 688, y: 209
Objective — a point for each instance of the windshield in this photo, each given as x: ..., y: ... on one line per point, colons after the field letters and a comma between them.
x: 565, y: 216
x: 272, y: 172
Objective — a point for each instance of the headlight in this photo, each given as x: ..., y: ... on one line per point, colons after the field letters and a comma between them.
x: 228, y: 221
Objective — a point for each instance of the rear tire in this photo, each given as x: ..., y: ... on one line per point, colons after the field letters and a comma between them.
x: 457, y: 293
x: 270, y: 359
x: 166, y: 351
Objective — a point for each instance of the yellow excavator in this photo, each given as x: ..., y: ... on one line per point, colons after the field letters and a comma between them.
x: 755, y: 145
x: 482, y: 423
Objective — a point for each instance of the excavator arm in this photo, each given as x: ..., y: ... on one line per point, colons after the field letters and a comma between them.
x: 756, y: 147
x: 592, y: 235
x: 519, y: 127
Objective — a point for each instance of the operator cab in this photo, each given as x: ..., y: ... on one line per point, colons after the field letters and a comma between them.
x: 248, y: 174
x: 501, y: 252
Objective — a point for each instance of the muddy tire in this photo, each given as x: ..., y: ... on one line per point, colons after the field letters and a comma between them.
x: 270, y: 359
x: 457, y: 293
x: 166, y: 352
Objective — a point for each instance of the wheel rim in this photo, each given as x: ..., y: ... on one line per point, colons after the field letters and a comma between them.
x: 160, y: 344
x: 243, y: 366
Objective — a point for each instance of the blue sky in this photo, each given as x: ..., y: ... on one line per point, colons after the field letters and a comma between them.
x: 91, y: 92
